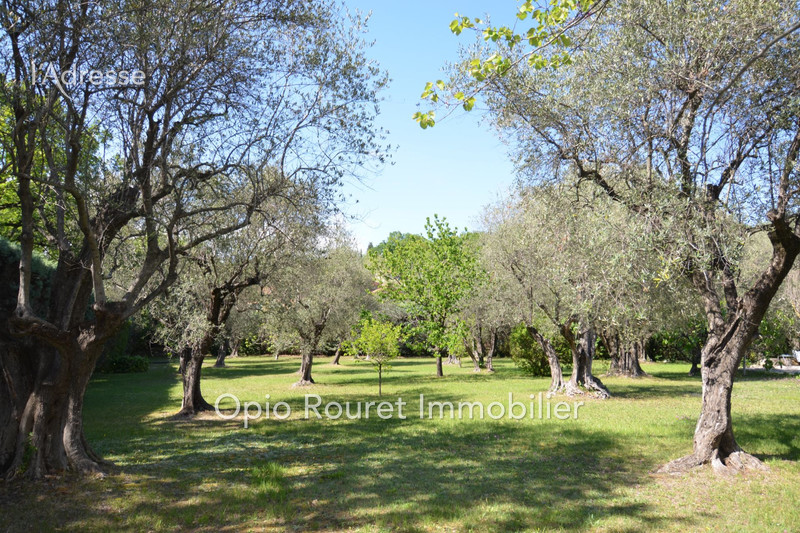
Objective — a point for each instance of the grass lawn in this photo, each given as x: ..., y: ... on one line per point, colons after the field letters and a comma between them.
x: 593, y: 473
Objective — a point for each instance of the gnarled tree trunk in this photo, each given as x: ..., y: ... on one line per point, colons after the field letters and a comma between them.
x: 556, y: 377
x: 624, y: 356
x: 337, y: 355
x: 306, y: 363
x: 191, y: 370
x: 729, y: 336
x: 45, y: 388
x: 582, y: 359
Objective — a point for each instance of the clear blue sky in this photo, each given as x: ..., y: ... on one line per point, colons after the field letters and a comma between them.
x: 452, y: 169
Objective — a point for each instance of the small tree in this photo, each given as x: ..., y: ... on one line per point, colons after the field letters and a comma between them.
x: 380, y: 342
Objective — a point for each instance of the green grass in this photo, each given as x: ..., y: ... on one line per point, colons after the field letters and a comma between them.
x: 593, y: 473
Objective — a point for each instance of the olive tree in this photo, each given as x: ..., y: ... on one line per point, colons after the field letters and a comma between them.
x: 193, y: 313
x: 322, y: 294
x: 686, y: 114
x: 232, y: 90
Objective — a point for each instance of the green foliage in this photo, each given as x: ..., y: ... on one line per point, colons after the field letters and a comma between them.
x: 41, y: 275
x: 526, y: 352
x: 773, y: 334
x: 546, y: 32
x: 378, y: 340
x: 456, y: 337
x: 126, y: 364
x: 117, y: 346
x: 252, y: 345
x: 430, y: 277
x: 678, y: 344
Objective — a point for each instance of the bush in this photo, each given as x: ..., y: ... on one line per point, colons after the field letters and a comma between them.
x: 526, y: 352
x: 126, y: 364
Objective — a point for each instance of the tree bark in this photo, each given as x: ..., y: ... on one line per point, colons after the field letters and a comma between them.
x: 220, y: 303
x: 582, y: 358
x: 556, y: 377
x: 221, y: 354
x: 491, y: 349
x: 729, y: 336
x: 42, y: 396
x: 696, y: 356
x: 714, y: 441
x: 337, y: 355
x: 439, y: 369
x: 305, y: 368
x: 475, y: 352
x: 192, y: 365
x: 624, y: 357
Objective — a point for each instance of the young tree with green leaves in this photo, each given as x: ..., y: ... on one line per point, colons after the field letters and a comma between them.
x: 430, y: 277
x: 379, y: 341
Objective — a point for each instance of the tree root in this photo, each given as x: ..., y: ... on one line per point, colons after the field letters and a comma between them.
x: 303, y: 383
x: 598, y: 391
x: 734, y: 463
x: 571, y: 389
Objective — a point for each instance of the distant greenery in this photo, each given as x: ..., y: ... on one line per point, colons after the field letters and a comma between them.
x: 43, y: 269
x: 124, y: 364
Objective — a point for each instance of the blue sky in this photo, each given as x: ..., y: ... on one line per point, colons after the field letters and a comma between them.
x: 452, y: 169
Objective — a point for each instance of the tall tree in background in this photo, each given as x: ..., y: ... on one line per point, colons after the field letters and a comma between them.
x: 234, y: 89
x: 430, y: 277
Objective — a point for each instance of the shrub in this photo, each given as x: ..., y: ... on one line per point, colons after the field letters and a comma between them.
x: 125, y: 364
x: 526, y: 352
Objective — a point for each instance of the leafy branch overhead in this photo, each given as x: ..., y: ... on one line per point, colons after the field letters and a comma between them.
x: 545, y: 39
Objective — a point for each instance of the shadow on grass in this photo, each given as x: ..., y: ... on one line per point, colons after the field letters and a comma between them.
x: 760, y: 432
x: 407, y: 475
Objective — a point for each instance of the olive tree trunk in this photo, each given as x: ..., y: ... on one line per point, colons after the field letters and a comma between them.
x: 624, y: 357
x: 41, y: 408
x: 556, y: 377
x: 491, y: 349
x: 729, y: 336
x: 306, y: 363
x: 337, y: 355
x: 191, y: 371
x: 221, y: 355
x: 582, y: 358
